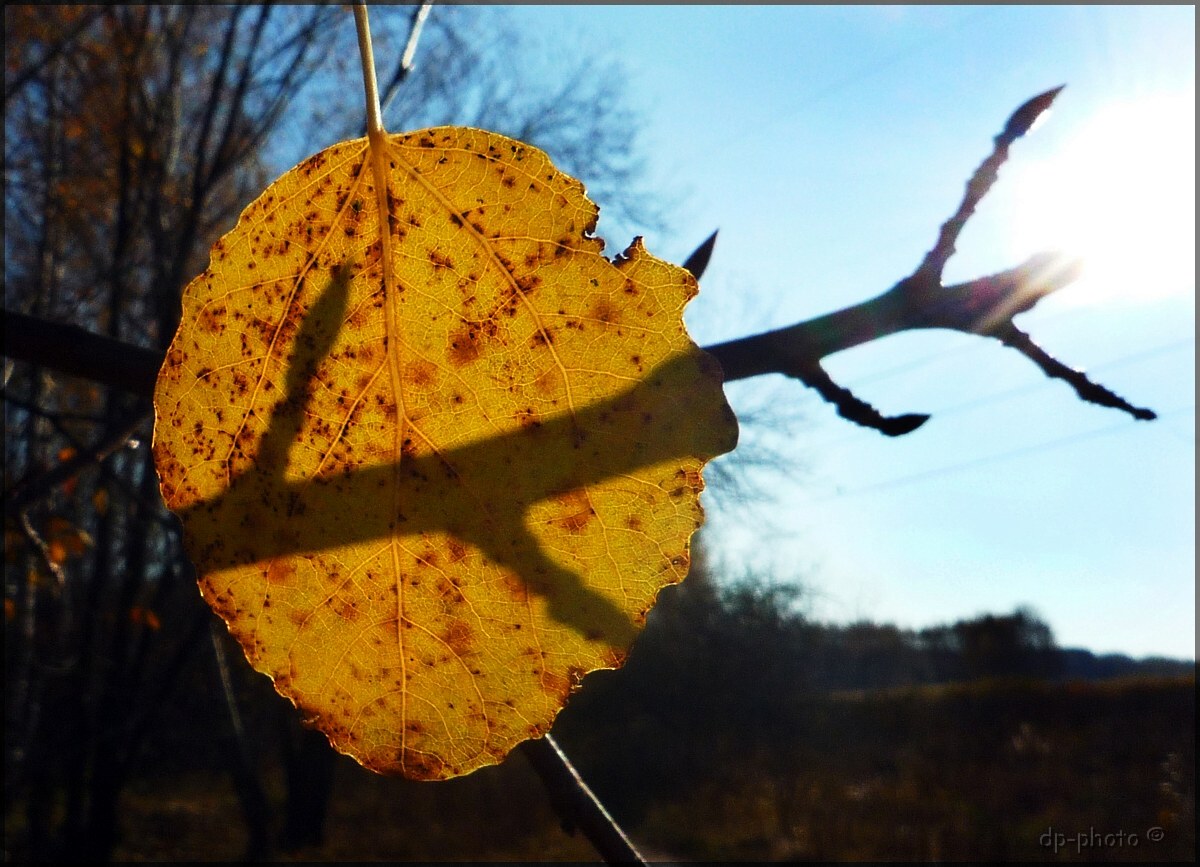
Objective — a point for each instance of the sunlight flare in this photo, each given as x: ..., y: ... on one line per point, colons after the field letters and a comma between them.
x: 1121, y: 194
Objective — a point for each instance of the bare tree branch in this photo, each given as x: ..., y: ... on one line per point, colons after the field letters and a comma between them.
x: 23, y: 76
x: 1020, y: 122
x: 78, y: 352
x: 697, y: 263
x: 575, y: 804
x: 405, y: 65
x: 985, y: 306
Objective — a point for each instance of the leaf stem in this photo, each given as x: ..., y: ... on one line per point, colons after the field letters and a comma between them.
x: 375, y: 128
x: 575, y: 803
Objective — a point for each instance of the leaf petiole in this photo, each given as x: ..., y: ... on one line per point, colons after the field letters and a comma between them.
x: 375, y: 130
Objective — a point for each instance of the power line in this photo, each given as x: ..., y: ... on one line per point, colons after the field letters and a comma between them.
x: 1042, y: 384
x: 1037, y: 385
x: 969, y: 343
x: 877, y: 67
x: 1002, y: 456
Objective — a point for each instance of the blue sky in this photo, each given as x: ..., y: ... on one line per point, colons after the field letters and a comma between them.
x: 828, y: 144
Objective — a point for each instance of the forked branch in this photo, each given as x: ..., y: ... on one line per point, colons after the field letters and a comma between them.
x: 985, y: 306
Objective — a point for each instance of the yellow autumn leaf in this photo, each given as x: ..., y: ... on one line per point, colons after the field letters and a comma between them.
x: 434, y: 454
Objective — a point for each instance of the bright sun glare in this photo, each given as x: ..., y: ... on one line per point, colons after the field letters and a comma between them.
x: 1121, y: 195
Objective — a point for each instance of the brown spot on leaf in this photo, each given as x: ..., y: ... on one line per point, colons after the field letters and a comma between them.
x: 464, y: 344
x: 418, y: 765
x: 420, y: 373
x: 528, y: 418
x: 338, y: 475
x: 459, y: 637
x: 212, y: 319
x: 604, y: 311
x: 691, y: 478
x: 458, y: 551
x: 575, y: 511
x: 515, y: 586
x: 555, y: 684
x: 614, y: 657
x: 281, y: 570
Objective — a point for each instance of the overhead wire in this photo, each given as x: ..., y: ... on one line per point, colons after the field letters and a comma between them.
x: 995, y: 397
x: 1039, y: 385
x: 878, y: 66
x: 967, y: 343
x: 869, y: 71
x: 985, y: 460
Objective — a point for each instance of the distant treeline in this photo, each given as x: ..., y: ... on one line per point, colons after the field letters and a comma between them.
x: 1084, y: 665
x: 868, y: 655
x: 733, y: 699
x: 764, y: 620
x: 740, y: 729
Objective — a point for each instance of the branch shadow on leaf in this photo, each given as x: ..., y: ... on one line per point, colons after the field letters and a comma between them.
x: 479, y: 494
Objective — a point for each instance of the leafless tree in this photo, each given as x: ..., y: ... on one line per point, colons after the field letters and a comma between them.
x: 134, y: 135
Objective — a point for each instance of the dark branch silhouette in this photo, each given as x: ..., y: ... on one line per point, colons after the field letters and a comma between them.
x: 575, y: 803
x: 697, y: 263
x: 985, y: 306
x: 404, y: 65
x: 479, y: 493
x: 442, y: 502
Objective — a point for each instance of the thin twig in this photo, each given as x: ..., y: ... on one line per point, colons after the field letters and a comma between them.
x: 1090, y: 391
x: 116, y: 437
x: 18, y: 80
x: 697, y: 263
x: 576, y: 805
x: 59, y: 419
x: 240, y: 758
x: 39, y: 544
x: 405, y: 66
x: 1019, y: 123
